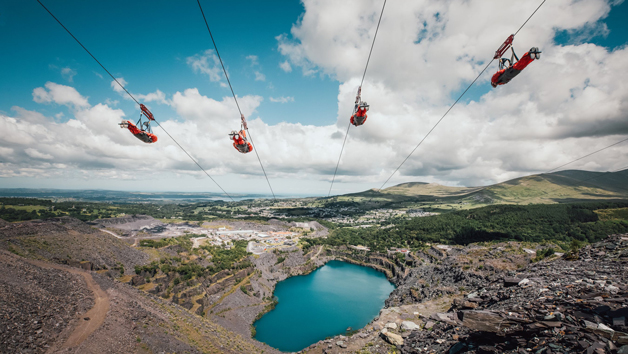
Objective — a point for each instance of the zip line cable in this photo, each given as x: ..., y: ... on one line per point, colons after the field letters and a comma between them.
x: 565, y: 164
x: 583, y: 180
x: 234, y: 96
x: 452, y: 106
x: 338, y: 163
x: 88, y: 52
x: 373, y: 44
x: 124, y: 88
x: 361, y: 83
x: 582, y: 157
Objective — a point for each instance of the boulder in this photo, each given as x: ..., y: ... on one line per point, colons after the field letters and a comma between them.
x: 409, y: 326
x: 341, y: 344
x: 487, y: 321
x: 391, y: 325
x: 623, y: 350
x: 392, y: 338
x: 138, y: 280
x: 511, y: 281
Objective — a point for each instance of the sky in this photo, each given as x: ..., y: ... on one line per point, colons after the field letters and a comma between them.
x: 295, y: 67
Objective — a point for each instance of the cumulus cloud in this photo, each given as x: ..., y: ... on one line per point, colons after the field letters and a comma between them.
x: 569, y: 103
x: 253, y: 59
x: 282, y: 99
x: 59, y: 94
x: 259, y: 76
x: 156, y: 96
x: 285, y: 66
x: 115, y: 84
x: 206, y: 63
x: 68, y: 73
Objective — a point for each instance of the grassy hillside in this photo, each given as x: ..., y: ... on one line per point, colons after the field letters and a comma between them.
x: 559, y: 187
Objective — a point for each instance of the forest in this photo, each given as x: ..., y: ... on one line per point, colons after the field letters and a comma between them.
x: 530, y: 223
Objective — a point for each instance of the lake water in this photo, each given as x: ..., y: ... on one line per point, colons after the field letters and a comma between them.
x: 322, y: 304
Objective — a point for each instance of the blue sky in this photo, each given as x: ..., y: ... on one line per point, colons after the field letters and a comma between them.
x: 567, y: 104
x: 148, y: 42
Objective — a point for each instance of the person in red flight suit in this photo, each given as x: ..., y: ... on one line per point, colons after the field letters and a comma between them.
x: 507, y: 70
x: 240, y: 142
x: 144, y: 132
x: 359, y: 110
x: 143, y: 135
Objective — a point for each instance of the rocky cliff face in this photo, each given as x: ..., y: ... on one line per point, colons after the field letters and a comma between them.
x: 572, y: 304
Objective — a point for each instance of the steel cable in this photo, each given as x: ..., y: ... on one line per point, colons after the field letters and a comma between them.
x: 361, y: 83
x: 452, y: 106
x: 125, y: 90
x: 234, y: 96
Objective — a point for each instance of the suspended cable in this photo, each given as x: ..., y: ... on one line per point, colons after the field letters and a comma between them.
x: 361, y: 83
x: 125, y: 90
x: 566, y: 164
x: 452, y: 106
x: 585, y: 156
x: 373, y: 44
x: 582, y: 180
x: 338, y: 163
x: 234, y: 96
x: 537, y: 9
x: 88, y: 52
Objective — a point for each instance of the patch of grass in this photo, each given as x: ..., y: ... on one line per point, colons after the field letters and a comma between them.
x: 544, y: 253
x: 613, y: 214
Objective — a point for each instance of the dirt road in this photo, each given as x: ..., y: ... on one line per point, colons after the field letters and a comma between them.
x: 92, y: 319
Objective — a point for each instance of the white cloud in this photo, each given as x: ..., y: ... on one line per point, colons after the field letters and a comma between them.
x: 115, y: 85
x: 282, y: 99
x: 156, y: 96
x: 569, y: 103
x: 37, y: 155
x: 285, y: 66
x: 59, y: 94
x: 110, y: 102
x: 206, y: 63
x: 254, y: 59
x: 68, y: 74
x: 259, y: 76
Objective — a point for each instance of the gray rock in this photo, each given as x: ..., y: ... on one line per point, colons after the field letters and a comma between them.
x: 623, y: 350
x: 409, y: 326
x: 392, y: 338
x: 511, y: 281
x: 487, y: 321
x: 391, y: 325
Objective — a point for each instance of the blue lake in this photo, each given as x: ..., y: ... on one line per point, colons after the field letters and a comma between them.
x: 322, y: 304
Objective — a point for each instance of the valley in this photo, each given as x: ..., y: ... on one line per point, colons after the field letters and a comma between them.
x: 195, y: 277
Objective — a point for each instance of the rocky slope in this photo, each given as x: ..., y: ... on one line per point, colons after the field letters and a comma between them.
x: 69, y: 241
x: 574, y: 304
x: 36, y: 304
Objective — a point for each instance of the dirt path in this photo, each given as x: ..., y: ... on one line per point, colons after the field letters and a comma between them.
x: 96, y: 315
x: 317, y: 253
x: 111, y: 233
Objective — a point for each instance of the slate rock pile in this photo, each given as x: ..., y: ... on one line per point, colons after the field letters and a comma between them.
x: 554, y: 306
x: 36, y: 304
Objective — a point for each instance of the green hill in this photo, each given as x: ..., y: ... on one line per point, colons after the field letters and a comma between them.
x: 558, y: 187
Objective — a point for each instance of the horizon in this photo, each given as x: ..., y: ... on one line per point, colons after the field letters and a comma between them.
x: 242, y: 196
